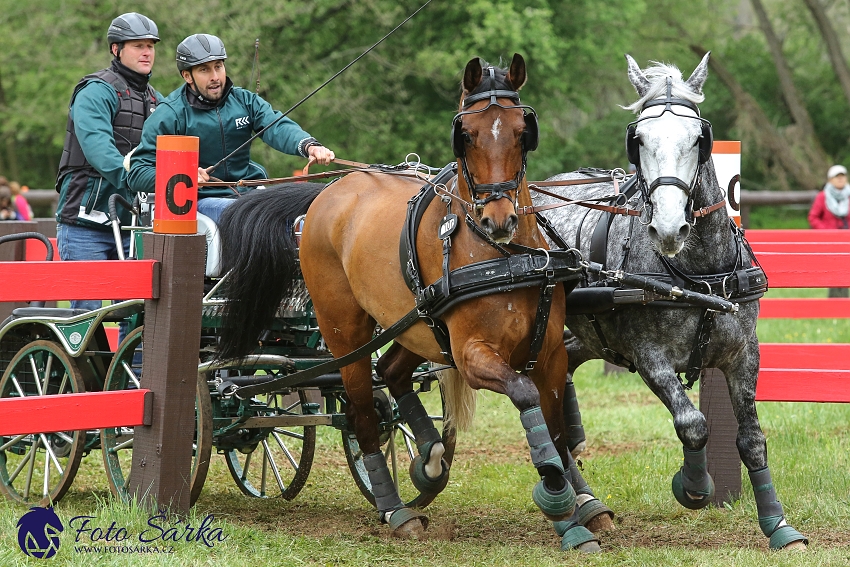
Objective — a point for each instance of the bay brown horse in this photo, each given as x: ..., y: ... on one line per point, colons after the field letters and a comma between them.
x: 349, y: 256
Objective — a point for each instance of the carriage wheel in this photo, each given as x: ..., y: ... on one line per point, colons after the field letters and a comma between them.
x: 116, y: 443
x: 274, y: 461
x: 39, y: 468
x: 399, y: 446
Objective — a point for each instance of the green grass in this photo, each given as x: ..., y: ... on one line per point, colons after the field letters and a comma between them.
x: 486, y: 517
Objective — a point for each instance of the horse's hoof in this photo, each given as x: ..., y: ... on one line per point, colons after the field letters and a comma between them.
x: 692, y: 500
x: 556, y: 506
x: 578, y: 449
x: 596, y: 516
x: 576, y: 536
x: 786, y: 537
x: 408, y: 524
x: 422, y: 482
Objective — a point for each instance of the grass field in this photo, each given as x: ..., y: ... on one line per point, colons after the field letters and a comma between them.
x: 486, y: 516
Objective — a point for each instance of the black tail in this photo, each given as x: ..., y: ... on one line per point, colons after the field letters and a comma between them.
x: 258, y: 248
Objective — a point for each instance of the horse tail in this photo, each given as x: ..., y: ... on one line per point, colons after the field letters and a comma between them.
x: 260, y: 253
x: 459, y: 399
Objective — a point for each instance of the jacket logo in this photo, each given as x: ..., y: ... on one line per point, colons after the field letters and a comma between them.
x: 242, y: 122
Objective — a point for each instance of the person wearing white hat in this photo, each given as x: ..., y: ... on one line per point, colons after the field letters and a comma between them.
x: 830, y: 208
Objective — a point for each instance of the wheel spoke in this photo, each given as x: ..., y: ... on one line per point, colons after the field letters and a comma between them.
x: 63, y: 436
x: 394, y: 457
x: 47, y: 370
x: 407, y: 433
x: 130, y: 374
x: 29, y: 457
x: 273, y: 465
x: 290, y: 434
x: 35, y: 374
x: 286, y: 451
x: 63, y: 383
x: 123, y: 445
x: 8, y: 444
x: 409, y: 445
x: 18, y: 387
x: 51, y: 454
x: 247, y: 464
x: 31, y: 469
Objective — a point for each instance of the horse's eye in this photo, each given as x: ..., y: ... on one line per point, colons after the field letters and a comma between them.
x: 467, y: 138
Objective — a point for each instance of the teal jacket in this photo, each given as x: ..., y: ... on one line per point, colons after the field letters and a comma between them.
x: 84, y: 195
x: 221, y: 127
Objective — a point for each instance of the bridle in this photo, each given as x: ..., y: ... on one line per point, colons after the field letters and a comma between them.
x: 703, y: 143
x: 529, y: 142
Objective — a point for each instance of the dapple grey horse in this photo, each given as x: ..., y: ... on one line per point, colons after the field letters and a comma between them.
x: 699, y: 250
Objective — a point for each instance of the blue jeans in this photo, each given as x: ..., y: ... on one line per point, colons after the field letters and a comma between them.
x: 80, y: 243
x: 213, y: 207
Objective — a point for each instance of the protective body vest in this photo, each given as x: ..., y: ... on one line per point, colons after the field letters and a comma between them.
x: 133, y: 110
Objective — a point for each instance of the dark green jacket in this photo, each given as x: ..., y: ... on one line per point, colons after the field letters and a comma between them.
x: 222, y: 128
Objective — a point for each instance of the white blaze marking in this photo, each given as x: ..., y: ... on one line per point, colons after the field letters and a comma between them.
x: 497, y: 127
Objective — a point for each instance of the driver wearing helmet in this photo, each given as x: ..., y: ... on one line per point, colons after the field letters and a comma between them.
x: 223, y: 117
x: 105, y: 118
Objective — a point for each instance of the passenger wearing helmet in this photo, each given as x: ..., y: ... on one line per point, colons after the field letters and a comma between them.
x: 105, y: 118
x: 224, y: 117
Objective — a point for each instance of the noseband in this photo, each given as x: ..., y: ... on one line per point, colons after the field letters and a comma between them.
x: 499, y: 190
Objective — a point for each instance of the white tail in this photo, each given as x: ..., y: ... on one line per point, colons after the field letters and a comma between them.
x: 459, y: 399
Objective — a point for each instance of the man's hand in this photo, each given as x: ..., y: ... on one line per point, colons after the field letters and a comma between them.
x: 203, y: 176
x: 320, y: 155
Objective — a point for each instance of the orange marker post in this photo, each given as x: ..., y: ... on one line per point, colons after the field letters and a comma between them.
x: 727, y: 165
x: 176, y: 185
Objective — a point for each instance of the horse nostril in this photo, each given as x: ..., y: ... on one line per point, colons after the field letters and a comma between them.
x: 684, y: 231
x: 488, y: 225
x: 653, y: 234
x: 511, y: 223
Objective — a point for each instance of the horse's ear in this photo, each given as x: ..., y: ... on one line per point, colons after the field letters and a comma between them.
x: 472, y: 75
x: 700, y: 74
x: 636, y: 76
x: 516, y: 73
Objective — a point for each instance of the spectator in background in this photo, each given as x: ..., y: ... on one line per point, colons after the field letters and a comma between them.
x: 22, y: 207
x: 7, y: 210
x: 831, y: 207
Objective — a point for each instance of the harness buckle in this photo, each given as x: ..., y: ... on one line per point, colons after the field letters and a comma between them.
x: 548, y: 261
x: 723, y: 288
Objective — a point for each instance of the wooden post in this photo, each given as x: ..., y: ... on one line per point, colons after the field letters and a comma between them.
x: 724, y: 463
x: 13, y: 252
x: 162, y: 452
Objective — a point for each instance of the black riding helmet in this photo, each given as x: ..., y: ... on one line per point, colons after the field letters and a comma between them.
x: 197, y: 49
x: 130, y: 26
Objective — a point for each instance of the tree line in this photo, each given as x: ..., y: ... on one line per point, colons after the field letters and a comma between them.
x: 779, y: 79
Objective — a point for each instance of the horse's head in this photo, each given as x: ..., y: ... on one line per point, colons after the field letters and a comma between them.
x: 491, y: 135
x: 668, y: 143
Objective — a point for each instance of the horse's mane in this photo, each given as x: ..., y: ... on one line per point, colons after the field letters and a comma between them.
x: 657, y: 76
x: 502, y: 81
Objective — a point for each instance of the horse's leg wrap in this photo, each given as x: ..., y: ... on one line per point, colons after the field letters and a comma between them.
x: 428, y: 471
x: 771, y: 515
x: 383, y: 487
x: 572, y: 418
x: 554, y: 494
x: 692, y: 485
